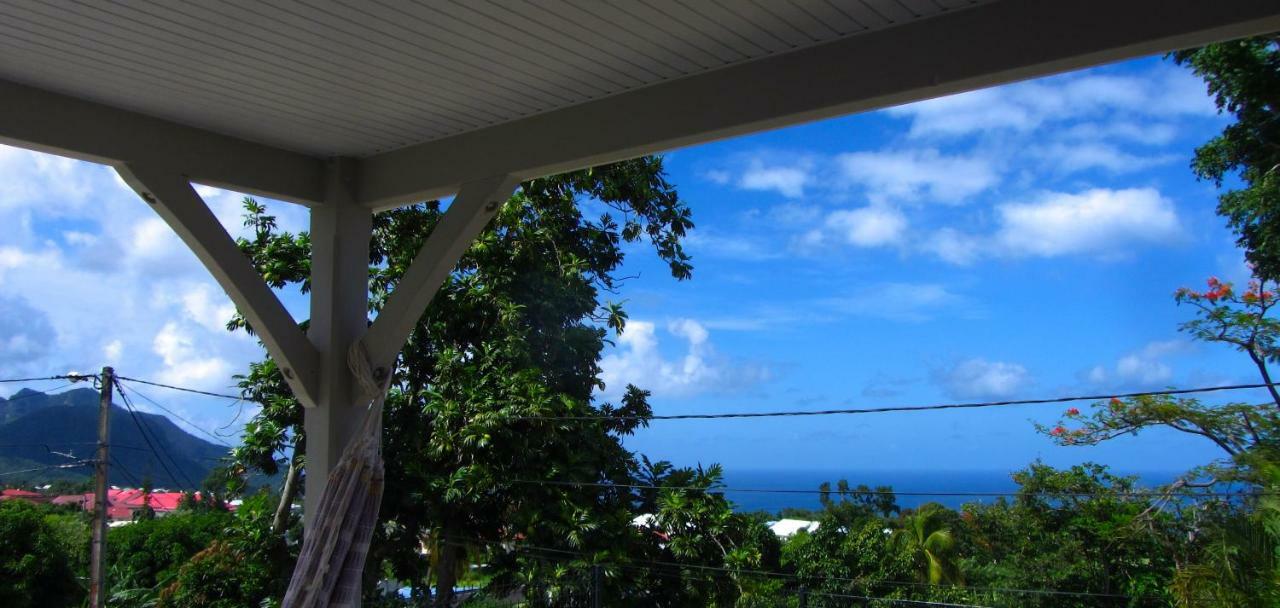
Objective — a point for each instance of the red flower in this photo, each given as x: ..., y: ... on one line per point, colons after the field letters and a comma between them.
x: 1058, y: 431
x: 1073, y: 412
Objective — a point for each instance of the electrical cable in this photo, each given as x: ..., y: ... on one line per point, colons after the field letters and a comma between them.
x: 586, y: 484
x: 142, y: 430
x: 895, y: 601
x: 72, y: 377
x: 133, y: 478
x: 216, y: 439
x: 183, y: 389
x: 114, y: 446
x: 50, y: 393
x: 45, y: 468
x: 917, y: 408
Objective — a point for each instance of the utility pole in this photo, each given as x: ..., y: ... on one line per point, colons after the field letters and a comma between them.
x: 597, y: 585
x: 98, y: 557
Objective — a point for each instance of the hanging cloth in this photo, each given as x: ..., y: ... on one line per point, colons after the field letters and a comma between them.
x: 331, y: 566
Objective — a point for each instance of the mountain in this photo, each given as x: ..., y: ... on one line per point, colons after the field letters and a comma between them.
x: 68, y: 422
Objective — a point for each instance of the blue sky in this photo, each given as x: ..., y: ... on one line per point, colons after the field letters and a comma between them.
x: 1022, y: 241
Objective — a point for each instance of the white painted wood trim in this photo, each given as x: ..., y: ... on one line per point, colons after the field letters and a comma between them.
x: 984, y: 46
x: 471, y: 209
x: 67, y: 126
x: 176, y: 201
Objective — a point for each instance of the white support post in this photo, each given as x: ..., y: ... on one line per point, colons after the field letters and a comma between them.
x: 340, y: 235
x: 173, y: 198
x: 472, y: 208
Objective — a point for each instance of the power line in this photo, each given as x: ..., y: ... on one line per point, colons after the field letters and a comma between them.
x: 185, y: 389
x: 72, y: 377
x: 142, y: 431
x: 915, y: 408
x: 117, y: 464
x: 587, y: 484
x: 219, y: 440
x: 46, y: 445
x: 50, y: 393
x: 47, y: 467
x: 897, y: 601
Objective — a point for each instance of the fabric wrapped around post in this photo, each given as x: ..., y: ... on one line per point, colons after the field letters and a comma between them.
x: 331, y: 565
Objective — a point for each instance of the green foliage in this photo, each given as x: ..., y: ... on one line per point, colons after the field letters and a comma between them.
x: 149, y: 552
x: 927, y: 536
x: 1231, y: 553
x: 42, y: 551
x: 514, y: 334
x: 853, y: 559
x: 248, y: 565
x: 703, y: 529
x: 1242, y: 78
x: 854, y: 504
x: 1073, y: 530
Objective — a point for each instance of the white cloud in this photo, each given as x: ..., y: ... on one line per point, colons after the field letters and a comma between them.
x: 737, y: 246
x: 638, y: 359
x: 953, y: 246
x: 910, y: 302
x: 718, y: 176
x: 1082, y: 156
x: 977, y: 378
x: 1146, y: 367
x: 26, y: 335
x: 910, y: 175
x: 870, y: 226
x: 185, y: 363
x: 788, y: 181
x: 113, y: 351
x: 81, y: 247
x: 207, y: 307
x: 1161, y: 94
x: 1150, y: 134
x: 792, y: 214
x: 1098, y: 221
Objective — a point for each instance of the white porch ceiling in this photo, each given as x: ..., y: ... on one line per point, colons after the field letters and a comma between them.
x: 256, y: 95
x: 359, y: 77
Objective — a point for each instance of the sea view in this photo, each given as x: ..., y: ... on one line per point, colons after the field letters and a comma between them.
x: 901, y: 481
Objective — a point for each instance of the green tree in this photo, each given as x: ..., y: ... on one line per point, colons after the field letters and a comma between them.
x: 514, y: 336
x: 1246, y: 433
x: 1077, y: 530
x: 40, y: 552
x: 702, y: 529
x: 1243, y: 76
x: 148, y: 553
x: 927, y: 535
x: 857, y: 503
x: 862, y: 559
x: 248, y: 564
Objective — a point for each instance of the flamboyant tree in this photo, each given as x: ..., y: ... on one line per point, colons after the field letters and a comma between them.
x: 1233, y: 547
x: 1242, y: 320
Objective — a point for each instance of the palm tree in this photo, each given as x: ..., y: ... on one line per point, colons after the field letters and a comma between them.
x: 927, y: 536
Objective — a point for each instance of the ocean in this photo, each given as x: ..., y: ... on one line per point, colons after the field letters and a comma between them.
x: 901, y: 481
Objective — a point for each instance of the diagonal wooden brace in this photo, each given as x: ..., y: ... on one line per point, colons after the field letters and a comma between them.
x: 472, y: 208
x: 177, y: 202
